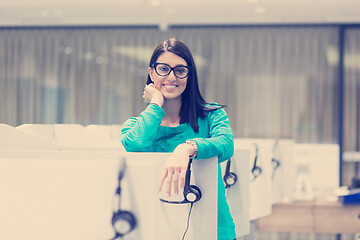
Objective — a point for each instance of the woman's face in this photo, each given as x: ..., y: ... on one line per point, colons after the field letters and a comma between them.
x: 170, y: 86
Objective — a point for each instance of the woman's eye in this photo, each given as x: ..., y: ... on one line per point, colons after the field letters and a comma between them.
x: 164, y: 69
x: 180, y: 70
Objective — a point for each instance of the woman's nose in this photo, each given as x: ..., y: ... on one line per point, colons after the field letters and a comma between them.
x: 172, y: 75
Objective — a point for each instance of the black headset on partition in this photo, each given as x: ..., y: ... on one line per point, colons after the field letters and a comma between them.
x: 229, y: 178
x: 256, y: 170
x: 123, y: 222
x: 191, y: 193
x: 275, y: 162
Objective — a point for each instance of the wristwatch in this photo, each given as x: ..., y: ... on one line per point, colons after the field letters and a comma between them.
x: 193, y: 143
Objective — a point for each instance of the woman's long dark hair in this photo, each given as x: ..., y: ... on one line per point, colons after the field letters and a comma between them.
x: 193, y: 104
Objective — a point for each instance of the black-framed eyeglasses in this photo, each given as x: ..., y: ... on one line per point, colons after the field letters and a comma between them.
x: 163, y: 69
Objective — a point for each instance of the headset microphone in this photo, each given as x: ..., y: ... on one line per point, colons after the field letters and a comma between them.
x: 123, y: 222
x: 191, y: 192
x: 230, y: 178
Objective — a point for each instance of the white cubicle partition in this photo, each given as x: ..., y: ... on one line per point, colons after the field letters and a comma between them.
x: 104, y: 130
x: 116, y: 131
x: 316, y: 166
x: 70, y: 195
x: 260, y: 184
x: 12, y: 138
x: 283, y: 179
x: 72, y: 137
x: 44, y: 131
x: 111, y: 131
x: 238, y: 194
x: 53, y: 196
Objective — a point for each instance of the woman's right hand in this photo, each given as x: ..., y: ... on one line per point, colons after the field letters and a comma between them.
x: 174, y: 170
x: 153, y: 95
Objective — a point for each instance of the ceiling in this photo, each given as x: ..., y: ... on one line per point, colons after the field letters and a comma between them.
x: 174, y: 12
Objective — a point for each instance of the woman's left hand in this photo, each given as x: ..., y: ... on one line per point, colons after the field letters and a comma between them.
x: 175, y: 168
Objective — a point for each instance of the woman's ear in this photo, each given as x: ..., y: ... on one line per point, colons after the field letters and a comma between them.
x: 151, y: 73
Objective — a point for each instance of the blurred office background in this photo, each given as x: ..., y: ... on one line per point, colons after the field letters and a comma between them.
x: 286, y: 69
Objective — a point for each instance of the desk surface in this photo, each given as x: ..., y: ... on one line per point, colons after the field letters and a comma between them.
x: 319, y: 216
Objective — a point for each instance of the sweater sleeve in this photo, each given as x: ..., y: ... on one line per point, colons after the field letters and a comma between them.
x: 139, y: 133
x: 221, y: 140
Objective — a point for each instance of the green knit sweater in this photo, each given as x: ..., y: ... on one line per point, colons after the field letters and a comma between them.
x: 215, y: 138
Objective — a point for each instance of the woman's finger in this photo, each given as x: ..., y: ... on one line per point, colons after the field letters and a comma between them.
x: 175, y: 181
x: 162, y: 178
x: 168, y: 183
x: 182, y: 177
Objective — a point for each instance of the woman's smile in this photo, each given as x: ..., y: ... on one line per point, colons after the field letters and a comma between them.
x: 170, y: 87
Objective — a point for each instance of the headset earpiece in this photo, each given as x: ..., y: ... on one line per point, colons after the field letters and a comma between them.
x: 123, y: 222
x: 193, y: 194
x: 230, y: 178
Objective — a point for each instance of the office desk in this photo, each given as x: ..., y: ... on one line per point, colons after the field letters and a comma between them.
x: 319, y: 216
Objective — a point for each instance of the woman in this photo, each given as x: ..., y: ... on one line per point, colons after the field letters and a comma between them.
x: 178, y: 120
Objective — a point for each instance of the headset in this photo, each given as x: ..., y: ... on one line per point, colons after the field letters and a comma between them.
x: 191, y: 193
x: 123, y: 222
x: 256, y: 170
x: 275, y: 162
x: 230, y: 178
